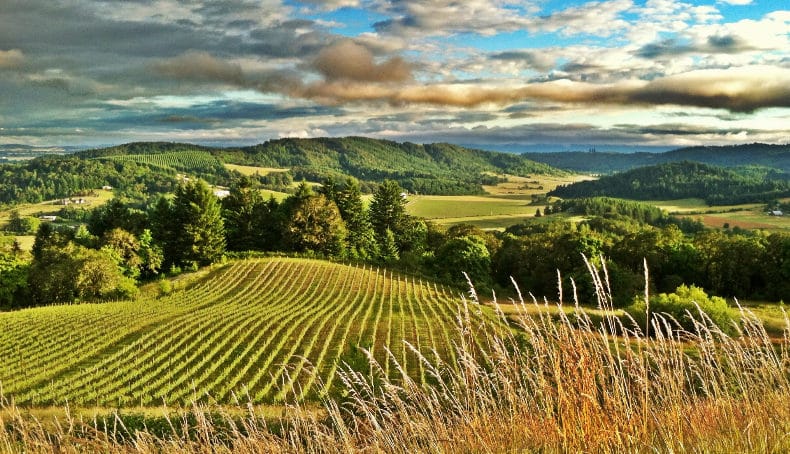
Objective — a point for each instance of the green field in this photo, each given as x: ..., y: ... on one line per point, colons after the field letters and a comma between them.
x: 260, y: 330
x: 253, y: 170
x: 183, y: 160
x: 746, y: 216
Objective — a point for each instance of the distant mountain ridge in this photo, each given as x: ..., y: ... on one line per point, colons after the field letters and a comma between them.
x: 774, y: 156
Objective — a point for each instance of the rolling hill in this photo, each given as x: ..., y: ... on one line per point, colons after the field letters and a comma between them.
x: 258, y: 329
x: 774, y: 156
x: 680, y: 180
x: 429, y: 169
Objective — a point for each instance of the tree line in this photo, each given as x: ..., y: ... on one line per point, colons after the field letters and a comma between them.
x: 122, y: 243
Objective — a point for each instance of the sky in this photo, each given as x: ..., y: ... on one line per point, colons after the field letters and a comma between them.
x: 550, y: 73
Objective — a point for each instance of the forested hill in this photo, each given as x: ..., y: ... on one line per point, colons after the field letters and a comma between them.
x: 432, y: 169
x: 142, y: 168
x: 775, y: 156
x: 717, y: 185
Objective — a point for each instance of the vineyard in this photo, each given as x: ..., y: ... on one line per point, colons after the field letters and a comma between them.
x: 259, y: 330
x: 192, y: 161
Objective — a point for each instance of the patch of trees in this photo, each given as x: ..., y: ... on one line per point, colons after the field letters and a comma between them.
x: 749, y: 265
x: 717, y: 186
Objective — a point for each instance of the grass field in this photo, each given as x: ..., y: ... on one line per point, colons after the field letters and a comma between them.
x: 745, y: 216
x: 253, y: 170
x: 505, y: 204
x: 52, y: 207
x: 538, y: 184
x: 263, y: 330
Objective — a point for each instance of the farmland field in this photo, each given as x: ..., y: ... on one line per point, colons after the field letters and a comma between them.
x: 262, y: 330
x: 185, y: 160
x: 253, y: 170
x: 746, y: 216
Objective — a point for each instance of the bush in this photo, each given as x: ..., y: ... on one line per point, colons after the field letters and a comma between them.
x: 683, y: 306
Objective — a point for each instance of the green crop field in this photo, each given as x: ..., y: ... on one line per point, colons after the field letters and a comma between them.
x: 259, y: 330
x: 185, y: 161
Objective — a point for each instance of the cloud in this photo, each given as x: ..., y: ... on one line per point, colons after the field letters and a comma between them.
x: 331, y: 5
x: 11, y: 59
x: 442, y: 17
x: 200, y: 66
x: 541, y: 61
x: 736, y: 2
x: 738, y: 89
x: 347, y: 60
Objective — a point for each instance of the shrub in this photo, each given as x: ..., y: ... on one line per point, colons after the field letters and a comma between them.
x: 684, y: 306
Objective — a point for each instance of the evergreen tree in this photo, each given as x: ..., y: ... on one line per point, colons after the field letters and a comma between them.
x: 240, y: 211
x: 388, y: 249
x: 388, y: 212
x: 198, y: 236
x: 360, y: 239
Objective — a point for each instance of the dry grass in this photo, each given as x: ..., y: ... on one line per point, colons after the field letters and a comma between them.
x: 573, y: 385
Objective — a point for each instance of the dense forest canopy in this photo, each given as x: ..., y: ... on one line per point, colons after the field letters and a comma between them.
x: 717, y: 185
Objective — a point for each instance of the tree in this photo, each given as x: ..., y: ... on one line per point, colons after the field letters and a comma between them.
x: 388, y: 250
x: 315, y: 225
x: 13, y: 281
x: 537, y: 213
x: 124, y: 248
x: 198, y: 218
x: 388, y: 209
x: 116, y: 214
x: 23, y: 225
x: 466, y: 254
x: 360, y: 238
x: 240, y: 212
x: 64, y: 274
x: 388, y: 212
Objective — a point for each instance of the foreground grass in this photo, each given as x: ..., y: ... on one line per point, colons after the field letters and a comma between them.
x: 560, y: 382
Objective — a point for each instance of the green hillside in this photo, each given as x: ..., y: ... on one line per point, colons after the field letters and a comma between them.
x: 716, y: 185
x: 774, y: 156
x: 261, y: 329
x: 440, y: 169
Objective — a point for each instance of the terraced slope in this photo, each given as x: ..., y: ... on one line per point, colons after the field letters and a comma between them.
x: 260, y: 330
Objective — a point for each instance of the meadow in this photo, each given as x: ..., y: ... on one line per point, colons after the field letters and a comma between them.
x: 745, y: 216
x: 253, y: 170
x: 507, y: 203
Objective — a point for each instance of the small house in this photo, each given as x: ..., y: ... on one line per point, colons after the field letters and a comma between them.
x: 48, y: 218
x: 107, y: 187
x: 775, y: 213
x: 221, y: 193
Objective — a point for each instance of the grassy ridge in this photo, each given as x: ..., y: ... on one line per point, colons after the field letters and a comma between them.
x: 266, y: 330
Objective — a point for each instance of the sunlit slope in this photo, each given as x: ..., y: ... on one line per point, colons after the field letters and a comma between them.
x: 261, y: 330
